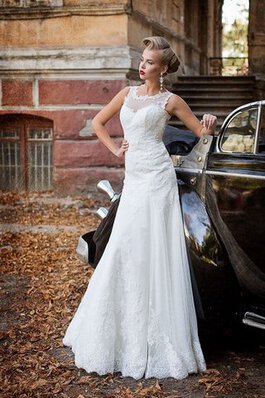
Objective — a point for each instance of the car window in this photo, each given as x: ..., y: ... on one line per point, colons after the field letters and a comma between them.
x: 261, y: 141
x: 239, y: 134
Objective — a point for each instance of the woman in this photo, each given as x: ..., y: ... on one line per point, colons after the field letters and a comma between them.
x: 137, y: 315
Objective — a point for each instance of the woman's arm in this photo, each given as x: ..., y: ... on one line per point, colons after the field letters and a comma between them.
x: 178, y: 107
x: 103, y: 116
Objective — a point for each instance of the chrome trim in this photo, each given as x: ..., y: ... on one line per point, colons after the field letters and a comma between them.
x: 255, y: 320
x: 102, y: 212
x: 257, y: 130
x: 189, y: 170
x: 224, y: 173
x: 82, y: 249
x: 197, y: 157
x: 105, y: 187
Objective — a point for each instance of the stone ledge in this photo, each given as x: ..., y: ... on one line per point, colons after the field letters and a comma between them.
x: 14, y: 13
x: 77, y: 59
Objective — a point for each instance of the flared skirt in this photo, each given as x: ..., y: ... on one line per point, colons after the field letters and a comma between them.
x: 137, y: 315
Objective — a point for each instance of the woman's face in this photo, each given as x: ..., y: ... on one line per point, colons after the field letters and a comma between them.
x: 150, y: 65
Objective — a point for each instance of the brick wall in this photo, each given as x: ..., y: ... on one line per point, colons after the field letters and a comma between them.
x: 79, y: 158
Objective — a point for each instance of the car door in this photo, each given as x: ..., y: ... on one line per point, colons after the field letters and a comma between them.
x: 236, y: 195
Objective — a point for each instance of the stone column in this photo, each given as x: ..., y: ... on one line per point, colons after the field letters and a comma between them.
x: 256, y: 43
x: 214, y: 36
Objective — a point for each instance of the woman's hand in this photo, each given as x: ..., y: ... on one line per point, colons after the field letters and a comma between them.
x: 209, y: 123
x: 123, y: 148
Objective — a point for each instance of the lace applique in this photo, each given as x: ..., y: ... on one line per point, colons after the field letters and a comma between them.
x: 166, y: 359
x: 136, y: 102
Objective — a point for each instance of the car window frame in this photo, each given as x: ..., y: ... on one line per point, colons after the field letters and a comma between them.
x: 262, y: 108
x: 256, y: 104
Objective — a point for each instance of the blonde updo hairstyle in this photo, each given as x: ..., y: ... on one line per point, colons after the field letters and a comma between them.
x: 169, y: 58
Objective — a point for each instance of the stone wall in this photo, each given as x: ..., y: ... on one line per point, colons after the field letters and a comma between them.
x: 65, y: 59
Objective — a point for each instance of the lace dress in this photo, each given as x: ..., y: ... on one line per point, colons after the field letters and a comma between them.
x: 137, y: 315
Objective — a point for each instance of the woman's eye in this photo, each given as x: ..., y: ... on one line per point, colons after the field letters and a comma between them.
x: 149, y: 62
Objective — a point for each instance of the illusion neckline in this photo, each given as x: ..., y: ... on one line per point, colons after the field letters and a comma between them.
x: 146, y: 95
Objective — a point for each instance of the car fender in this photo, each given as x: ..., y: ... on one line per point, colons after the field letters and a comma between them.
x: 249, y: 276
x: 214, y: 283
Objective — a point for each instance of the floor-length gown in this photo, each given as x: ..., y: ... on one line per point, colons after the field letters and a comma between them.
x: 137, y: 315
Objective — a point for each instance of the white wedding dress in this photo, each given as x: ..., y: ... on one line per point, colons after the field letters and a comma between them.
x: 137, y: 315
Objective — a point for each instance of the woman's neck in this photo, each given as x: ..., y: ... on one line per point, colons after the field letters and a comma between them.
x: 151, y: 88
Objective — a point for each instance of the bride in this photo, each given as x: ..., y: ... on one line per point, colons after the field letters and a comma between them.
x: 137, y: 315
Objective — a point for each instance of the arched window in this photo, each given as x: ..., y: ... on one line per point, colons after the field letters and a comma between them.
x: 25, y: 153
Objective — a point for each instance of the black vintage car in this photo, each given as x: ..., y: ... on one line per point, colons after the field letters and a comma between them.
x: 221, y: 183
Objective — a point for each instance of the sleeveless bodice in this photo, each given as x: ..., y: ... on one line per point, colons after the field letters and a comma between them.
x: 147, y: 162
x: 143, y: 117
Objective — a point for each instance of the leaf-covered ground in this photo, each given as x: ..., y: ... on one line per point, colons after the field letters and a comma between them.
x: 41, y: 284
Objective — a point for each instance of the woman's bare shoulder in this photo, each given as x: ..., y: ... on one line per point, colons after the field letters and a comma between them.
x: 175, y: 101
x: 120, y: 96
x: 125, y: 90
x: 174, y: 98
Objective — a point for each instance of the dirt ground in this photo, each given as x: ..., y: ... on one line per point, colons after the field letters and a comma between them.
x: 41, y: 284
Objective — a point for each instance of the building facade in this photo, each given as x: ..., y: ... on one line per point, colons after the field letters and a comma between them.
x: 61, y: 61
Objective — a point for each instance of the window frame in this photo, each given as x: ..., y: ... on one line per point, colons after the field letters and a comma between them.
x: 23, y: 123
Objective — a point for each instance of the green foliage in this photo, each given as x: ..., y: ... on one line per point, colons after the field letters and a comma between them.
x: 235, y: 39
x: 235, y: 42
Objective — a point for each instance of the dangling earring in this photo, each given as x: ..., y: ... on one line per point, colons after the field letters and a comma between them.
x: 161, y: 80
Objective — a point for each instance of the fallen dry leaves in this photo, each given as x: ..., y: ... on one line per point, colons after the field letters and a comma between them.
x: 31, y: 209
x: 41, y: 284
x: 215, y: 381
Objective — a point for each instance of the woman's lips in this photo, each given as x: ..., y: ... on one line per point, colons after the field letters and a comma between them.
x: 142, y: 72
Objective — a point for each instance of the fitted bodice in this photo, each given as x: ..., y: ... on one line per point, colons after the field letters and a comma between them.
x: 147, y: 162
x: 144, y: 117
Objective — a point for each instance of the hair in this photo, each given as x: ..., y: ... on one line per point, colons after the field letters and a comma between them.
x: 169, y: 57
